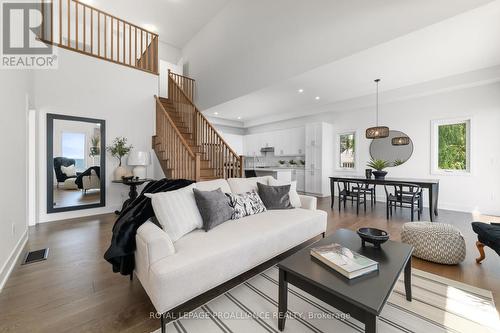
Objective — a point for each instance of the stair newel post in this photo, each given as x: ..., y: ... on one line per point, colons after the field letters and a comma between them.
x: 169, y: 88
x: 197, y: 167
x: 242, y: 160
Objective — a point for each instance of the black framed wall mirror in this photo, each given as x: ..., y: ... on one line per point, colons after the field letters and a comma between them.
x: 384, y: 149
x: 76, y: 163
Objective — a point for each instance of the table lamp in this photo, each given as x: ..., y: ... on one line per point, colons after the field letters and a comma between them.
x: 139, y: 159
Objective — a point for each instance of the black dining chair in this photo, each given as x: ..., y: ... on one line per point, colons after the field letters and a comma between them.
x: 350, y: 190
x: 404, y: 195
x: 369, y: 190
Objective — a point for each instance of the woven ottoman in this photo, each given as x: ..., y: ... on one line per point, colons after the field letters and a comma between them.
x: 437, y: 242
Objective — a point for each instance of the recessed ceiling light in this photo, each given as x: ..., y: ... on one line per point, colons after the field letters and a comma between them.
x: 317, y: 98
x: 216, y: 113
x: 239, y: 118
x: 301, y: 91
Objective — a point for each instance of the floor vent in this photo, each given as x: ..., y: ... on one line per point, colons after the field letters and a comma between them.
x: 35, y: 256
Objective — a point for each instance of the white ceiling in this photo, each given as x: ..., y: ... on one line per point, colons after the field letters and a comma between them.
x: 464, y: 43
x: 177, y: 21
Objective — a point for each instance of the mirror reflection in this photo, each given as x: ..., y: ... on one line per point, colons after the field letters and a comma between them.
x: 77, y: 154
x: 383, y: 149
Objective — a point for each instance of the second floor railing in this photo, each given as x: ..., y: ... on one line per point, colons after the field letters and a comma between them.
x: 79, y: 27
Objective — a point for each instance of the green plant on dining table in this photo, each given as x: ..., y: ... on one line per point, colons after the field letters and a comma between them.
x: 378, y: 165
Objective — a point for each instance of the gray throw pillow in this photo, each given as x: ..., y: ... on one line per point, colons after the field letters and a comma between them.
x: 213, y: 206
x: 275, y: 197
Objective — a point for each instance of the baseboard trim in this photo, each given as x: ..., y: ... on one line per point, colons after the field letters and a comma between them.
x: 13, y: 259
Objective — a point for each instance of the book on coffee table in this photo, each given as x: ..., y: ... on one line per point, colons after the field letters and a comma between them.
x: 346, y: 262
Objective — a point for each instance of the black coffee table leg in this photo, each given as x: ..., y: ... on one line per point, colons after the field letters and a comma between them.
x: 371, y: 323
x: 282, y: 300
x: 408, y: 280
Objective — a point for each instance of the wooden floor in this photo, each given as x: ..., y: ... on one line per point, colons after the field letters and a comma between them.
x: 69, y: 198
x: 76, y: 291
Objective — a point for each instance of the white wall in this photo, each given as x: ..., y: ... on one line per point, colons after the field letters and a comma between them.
x: 254, y: 44
x: 88, y: 87
x: 14, y: 89
x: 478, y: 191
x: 163, y: 78
x: 235, y: 141
x: 169, y: 53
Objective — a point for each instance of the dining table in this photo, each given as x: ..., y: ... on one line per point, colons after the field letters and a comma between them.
x: 431, y: 185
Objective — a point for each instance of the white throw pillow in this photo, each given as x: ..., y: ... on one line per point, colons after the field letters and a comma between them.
x: 69, y: 171
x: 294, y: 196
x: 176, y: 211
x: 244, y: 185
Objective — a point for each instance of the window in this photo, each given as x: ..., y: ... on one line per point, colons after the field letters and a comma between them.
x: 451, y: 141
x: 73, y: 146
x: 347, y: 150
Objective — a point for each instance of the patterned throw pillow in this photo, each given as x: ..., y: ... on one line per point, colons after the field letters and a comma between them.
x: 245, y: 204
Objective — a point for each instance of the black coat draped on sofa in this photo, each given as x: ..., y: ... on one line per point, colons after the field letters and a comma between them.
x: 120, y: 253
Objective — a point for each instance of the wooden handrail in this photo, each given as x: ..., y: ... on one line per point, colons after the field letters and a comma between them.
x: 176, y: 157
x: 158, y: 103
x: 186, y: 84
x: 222, y: 159
x: 117, y: 40
x: 203, y: 116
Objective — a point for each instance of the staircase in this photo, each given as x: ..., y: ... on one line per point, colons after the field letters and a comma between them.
x: 186, y: 144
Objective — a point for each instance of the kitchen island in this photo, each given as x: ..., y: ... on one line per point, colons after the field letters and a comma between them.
x: 280, y: 174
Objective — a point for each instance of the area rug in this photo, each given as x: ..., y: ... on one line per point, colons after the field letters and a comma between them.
x: 439, y: 305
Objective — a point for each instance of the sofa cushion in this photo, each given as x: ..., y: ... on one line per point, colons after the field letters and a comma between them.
x: 243, y: 185
x: 275, y: 197
x: 176, y: 211
x: 213, y: 185
x: 245, y: 204
x: 69, y: 171
x: 213, y: 206
x: 227, y: 251
x: 294, y: 196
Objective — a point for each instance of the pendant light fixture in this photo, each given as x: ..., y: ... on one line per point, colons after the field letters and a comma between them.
x: 400, y: 141
x: 377, y: 132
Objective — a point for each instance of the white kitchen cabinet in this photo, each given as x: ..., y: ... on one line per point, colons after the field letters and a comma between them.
x: 252, y: 144
x: 319, y: 158
x: 300, y: 177
x: 289, y: 142
x: 279, y: 143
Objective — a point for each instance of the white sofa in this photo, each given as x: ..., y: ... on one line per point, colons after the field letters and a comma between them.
x: 204, y: 260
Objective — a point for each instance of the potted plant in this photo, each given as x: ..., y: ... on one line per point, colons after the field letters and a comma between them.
x: 292, y: 163
x: 398, y: 162
x: 379, y: 166
x: 95, y: 150
x: 302, y: 162
x: 118, y: 150
x: 281, y: 163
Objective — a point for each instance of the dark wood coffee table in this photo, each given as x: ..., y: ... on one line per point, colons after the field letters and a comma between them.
x: 363, y: 298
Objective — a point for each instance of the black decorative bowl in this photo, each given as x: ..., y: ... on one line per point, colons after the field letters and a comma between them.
x: 373, y: 236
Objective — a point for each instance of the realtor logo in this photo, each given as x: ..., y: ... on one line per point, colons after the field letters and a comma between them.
x: 23, y: 26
